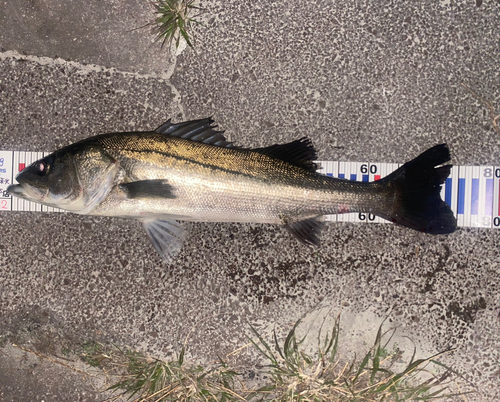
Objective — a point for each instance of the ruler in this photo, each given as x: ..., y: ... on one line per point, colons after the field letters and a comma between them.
x: 472, y: 192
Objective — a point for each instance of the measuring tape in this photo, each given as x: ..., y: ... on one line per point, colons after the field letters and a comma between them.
x: 472, y: 192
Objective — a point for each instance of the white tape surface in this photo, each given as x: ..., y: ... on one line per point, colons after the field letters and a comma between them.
x: 473, y: 192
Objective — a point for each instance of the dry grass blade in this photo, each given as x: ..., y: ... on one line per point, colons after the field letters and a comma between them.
x: 42, y: 356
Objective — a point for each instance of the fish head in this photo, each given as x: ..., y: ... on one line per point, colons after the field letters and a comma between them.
x: 76, y: 179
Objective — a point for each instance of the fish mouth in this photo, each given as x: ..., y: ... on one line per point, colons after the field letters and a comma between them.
x: 17, y: 190
x: 29, y: 193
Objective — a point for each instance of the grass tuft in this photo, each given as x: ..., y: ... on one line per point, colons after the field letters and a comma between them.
x: 291, y: 374
x: 295, y: 375
x: 156, y: 380
x: 173, y: 21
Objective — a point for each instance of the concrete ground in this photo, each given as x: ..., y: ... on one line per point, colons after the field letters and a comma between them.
x: 365, y: 80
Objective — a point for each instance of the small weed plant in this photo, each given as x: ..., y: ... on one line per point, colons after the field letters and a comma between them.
x: 173, y: 21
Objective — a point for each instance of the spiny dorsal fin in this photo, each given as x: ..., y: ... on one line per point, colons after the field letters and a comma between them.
x: 299, y: 153
x: 195, y: 130
x: 307, y: 231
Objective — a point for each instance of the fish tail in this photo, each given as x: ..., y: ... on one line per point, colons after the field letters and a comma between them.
x: 417, y: 186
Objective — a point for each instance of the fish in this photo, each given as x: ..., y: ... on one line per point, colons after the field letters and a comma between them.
x: 189, y: 171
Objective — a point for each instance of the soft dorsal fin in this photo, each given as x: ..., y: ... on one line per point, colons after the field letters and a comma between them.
x: 299, y: 153
x: 196, y: 130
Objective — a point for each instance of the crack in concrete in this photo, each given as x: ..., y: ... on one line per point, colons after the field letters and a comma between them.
x: 83, y: 69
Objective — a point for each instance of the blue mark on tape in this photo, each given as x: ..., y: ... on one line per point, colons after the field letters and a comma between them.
x: 353, y: 177
x: 447, y: 191
x: 461, y: 196
x: 474, y: 206
x: 488, y: 207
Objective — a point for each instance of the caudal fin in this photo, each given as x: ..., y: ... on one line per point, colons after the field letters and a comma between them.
x: 417, y: 186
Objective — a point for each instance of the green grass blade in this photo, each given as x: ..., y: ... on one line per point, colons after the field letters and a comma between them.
x: 362, y: 366
x: 180, y: 359
x: 267, y: 352
x: 278, y: 348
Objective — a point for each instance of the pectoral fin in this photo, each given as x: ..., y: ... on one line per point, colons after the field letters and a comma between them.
x: 307, y: 231
x: 167, y: 236
x: 148, y: 188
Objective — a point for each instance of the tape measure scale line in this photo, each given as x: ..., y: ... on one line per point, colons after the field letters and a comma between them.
x: 473, y: 192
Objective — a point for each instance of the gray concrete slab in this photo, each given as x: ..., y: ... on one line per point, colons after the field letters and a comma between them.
x: 379, y: 81
x: 108, y: 33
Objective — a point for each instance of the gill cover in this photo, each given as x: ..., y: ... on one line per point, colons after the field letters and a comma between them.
x: 75, y: 178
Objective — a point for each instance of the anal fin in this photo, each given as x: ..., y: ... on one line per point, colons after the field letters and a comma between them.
x: 307, y: 231
x: 167, y: 236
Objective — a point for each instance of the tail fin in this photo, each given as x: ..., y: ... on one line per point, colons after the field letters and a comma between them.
x: 417, y: 200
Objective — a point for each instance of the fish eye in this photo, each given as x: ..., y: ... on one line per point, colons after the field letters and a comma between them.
x: 42, y: 168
